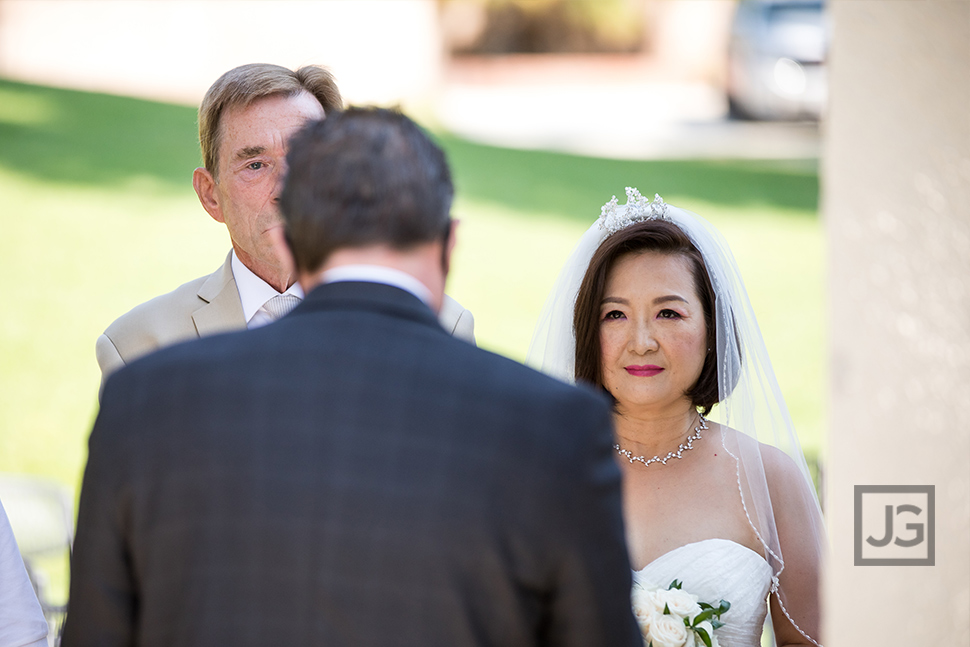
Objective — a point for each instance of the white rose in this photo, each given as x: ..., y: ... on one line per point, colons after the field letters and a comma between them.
x: 646, y: 600
x: 680, y: 603
x: 669, y: 631
x: 644, y: 604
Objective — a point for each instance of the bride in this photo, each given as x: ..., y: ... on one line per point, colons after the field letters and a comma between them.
x: 651, y: 309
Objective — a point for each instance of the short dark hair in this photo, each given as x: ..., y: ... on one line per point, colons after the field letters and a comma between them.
x: 362, y: 177
x: 242, y: 85
x: 650, y: 235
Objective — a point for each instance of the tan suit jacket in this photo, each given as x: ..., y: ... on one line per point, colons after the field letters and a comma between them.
x: 206, y: 306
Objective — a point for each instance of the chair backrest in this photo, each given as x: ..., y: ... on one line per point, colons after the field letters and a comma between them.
x: 40, y: 512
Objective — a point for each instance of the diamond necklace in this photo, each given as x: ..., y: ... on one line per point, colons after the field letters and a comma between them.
x: 683, y: 447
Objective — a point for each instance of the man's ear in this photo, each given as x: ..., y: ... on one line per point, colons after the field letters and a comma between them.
x: 205, y: 187
x: 449, y: 247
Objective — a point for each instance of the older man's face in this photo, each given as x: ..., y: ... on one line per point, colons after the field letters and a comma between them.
x: 252, y: 167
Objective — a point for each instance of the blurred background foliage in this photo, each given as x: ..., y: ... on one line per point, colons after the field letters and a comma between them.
x: 490, y: 27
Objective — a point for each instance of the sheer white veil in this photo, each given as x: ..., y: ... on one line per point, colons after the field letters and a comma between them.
x: 750, y: 399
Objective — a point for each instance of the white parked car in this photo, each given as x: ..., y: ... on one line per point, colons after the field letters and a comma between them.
x: 777, y: 59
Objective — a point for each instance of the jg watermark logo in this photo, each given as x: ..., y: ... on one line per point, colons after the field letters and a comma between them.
x: 894, y: 525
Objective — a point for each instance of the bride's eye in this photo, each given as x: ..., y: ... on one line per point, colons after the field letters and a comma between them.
x: 668, y: 314
x: 613, y: 314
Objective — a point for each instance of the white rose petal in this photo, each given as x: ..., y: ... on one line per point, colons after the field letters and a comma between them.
x: 646, y: 600
x: 644, y: 606
x: 669, y: 631
x: 680, y: 603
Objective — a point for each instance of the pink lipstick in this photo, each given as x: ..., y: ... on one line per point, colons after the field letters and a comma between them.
x: 647, y: 370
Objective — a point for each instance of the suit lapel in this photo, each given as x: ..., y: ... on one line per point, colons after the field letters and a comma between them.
x: 222, y: 311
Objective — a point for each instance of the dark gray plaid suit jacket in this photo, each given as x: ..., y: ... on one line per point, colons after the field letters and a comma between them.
x: 350, y: 475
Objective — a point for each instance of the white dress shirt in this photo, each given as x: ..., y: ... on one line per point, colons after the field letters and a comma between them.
x: 254, y: 292
x: 379, y: 274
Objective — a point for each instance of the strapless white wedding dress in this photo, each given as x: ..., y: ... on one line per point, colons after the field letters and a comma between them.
x: 714, y: 570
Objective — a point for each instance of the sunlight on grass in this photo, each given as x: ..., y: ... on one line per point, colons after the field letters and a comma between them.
x: 73, y: 260
x: 504, y: 267
x: 22, y: 108
x: 100, y: 216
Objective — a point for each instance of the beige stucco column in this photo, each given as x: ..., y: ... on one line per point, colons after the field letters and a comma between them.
x: 896, y: 202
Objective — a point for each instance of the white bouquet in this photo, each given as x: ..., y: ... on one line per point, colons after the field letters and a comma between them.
x: 673, y: 617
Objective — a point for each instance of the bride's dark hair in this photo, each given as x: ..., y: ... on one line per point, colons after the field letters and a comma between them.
x: 654, y: 236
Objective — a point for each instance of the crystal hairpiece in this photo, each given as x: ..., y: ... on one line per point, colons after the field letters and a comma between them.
x: 614, y: 217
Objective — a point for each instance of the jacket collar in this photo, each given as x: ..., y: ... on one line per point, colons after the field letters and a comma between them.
x: 364, y: 295
x: 222, y: 310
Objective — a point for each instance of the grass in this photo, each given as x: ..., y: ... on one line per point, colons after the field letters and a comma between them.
x: 99, y: 215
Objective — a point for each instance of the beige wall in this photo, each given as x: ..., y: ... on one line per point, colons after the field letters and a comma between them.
x: 689, y: 40
x: 382, y: 51
x: 896, y: 200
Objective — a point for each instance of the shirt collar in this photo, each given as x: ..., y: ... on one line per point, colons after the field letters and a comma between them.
x: 379, y: 274
x: 254, y: 291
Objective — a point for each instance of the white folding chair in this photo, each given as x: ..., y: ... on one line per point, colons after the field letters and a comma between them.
x: 41, y: 514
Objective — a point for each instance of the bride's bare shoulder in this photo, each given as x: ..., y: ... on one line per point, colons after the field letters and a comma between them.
x: 779, y: 466
x: 781, y: 471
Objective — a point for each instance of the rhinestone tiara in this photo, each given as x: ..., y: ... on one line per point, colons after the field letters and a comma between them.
x: 614, y: 217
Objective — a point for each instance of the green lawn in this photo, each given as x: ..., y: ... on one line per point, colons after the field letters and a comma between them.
x: 99, y: 215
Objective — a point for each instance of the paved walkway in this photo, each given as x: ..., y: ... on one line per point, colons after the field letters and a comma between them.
x: 618, y: 108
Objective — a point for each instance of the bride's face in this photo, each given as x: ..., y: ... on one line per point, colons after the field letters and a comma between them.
x: 652, y: 332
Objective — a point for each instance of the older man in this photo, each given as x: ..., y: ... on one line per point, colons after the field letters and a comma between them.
x: 245, y: 121
x: 351, y: 475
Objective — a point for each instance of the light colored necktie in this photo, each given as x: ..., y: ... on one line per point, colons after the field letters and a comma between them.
x: 280, y: 305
